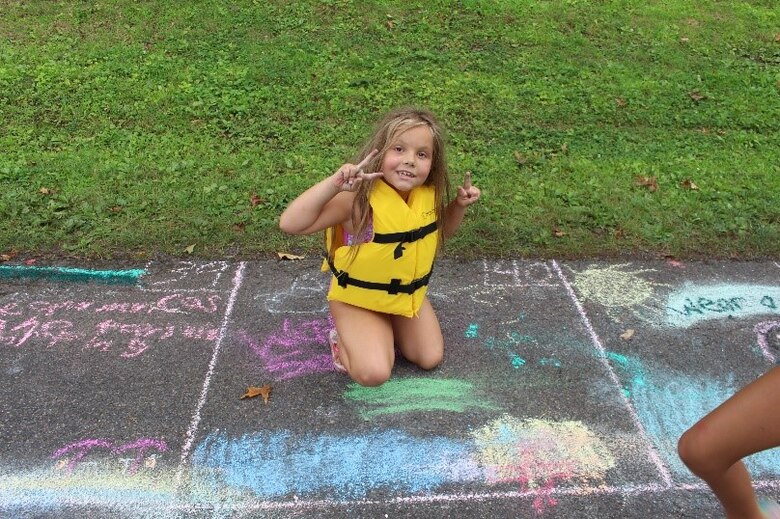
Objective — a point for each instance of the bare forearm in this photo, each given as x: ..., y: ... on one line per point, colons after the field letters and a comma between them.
x: 453, y: 217
x: 304, y: 210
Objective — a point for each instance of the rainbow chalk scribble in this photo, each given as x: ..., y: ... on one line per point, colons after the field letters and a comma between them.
x: 121, y: 277
x: 80, y: 449
x: 692, y: 303
x: 273, y: 465
x: 407, y: 395
x: 539, y: 454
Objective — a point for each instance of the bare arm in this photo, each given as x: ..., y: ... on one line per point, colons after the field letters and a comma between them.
x: 327, y: 202
x: 456, y: 210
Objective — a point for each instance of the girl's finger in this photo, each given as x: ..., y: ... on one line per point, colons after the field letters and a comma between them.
x: 371, y: 176
x: 366, y: 160
x: 467, y: 181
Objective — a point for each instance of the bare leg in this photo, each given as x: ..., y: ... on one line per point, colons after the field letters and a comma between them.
x: 365, y: 343
x: 746, y: 423
x: 419, y: 338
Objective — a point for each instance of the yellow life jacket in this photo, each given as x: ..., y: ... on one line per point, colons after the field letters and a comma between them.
x: 390, y: 273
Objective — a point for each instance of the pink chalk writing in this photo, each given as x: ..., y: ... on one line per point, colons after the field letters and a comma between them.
x: 169, y: 304
x: 81, y: 448
x: 134, y: 338
x: 295, y: 350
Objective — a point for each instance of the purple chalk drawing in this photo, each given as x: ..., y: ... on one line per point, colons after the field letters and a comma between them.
x: 297, y: 349
x: 83, y: 447
x: 767, y: 336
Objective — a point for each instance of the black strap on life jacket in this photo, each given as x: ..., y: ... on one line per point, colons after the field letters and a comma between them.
x: 404, y: 237
x: 392, y: 288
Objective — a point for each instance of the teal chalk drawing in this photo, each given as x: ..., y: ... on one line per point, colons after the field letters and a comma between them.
x: 472, y: 332
x: 550, y: 362
x: 669, y: 403
x: 695, y: 303
x: 114, y: 277
x: 517, y: 361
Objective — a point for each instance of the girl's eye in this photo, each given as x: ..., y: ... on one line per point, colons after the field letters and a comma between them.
x: 398, y: 149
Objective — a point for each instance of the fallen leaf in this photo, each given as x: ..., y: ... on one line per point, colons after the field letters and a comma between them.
x: 252, y: 391
x: 190, y: 249
x: 255, y: 200
x: 626, y: 336
x: 116, y: 209
x: 45, y: 191
x: 288, y: 256
x: 688, y: 184
x: 696, y: 95
x: 30, y: 261
x: 239, y: 227
x: 520, y: 158
x: 777, y: 37
x: 558, y: 233
x: 650, y: 183
x: 684, y: 39
x: 621, y: 102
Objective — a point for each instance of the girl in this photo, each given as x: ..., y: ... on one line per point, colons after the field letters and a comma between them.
x: 384, y: 219
x: 713, y: 448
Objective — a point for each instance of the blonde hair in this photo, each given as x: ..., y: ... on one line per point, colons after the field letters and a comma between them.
x: 385, y: 132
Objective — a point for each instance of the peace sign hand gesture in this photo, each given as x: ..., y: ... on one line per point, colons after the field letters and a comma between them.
x: 350, y: 176
x: 467, y: 194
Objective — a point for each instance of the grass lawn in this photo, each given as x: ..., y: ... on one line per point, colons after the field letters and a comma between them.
x: 594, y: 128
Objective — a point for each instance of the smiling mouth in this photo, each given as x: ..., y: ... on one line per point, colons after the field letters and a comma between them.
x: 405, y: 174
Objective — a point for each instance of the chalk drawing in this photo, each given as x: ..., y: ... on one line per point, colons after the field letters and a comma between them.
x: 238, y: 279
x: 81, y: 448
x: 306, y: 295
x: 282, y: 463
x: 190, y: 273
x: 669, y: 403
x: 407, y: 395
x: 693, y: 303
x: 652, y: 453
x: 618, y: 289
x: 768, y: 339
x: 539, y: 455
x: 116, y: 277
x: 297, y: 349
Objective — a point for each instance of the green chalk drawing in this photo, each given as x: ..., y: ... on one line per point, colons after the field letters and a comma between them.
x: 408, y: 395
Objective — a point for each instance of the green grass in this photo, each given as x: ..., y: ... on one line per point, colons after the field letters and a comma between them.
x: 151, y: 124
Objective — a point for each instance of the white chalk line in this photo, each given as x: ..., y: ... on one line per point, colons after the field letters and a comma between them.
x: 185, y: 451
x: 318, y: 504
x: 654, y: 456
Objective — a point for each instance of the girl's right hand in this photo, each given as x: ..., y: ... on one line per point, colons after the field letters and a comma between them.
x: 350, y: 176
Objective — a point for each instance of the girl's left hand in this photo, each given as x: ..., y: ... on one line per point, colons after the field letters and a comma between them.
x: 467, y: 194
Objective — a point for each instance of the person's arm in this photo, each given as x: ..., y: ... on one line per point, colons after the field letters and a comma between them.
x: 456, y: 210
x: 327, y: 202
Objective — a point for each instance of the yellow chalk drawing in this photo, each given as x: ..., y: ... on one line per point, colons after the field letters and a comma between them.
x: 539, y: 454
x: 617, y: 289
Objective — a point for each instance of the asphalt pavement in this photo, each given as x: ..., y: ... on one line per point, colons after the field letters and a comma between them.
x: 564, y: 388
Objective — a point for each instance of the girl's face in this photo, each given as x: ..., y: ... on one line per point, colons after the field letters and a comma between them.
x: 408, y: 160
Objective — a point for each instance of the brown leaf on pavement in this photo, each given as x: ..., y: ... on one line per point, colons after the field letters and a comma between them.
x: 626, y: 336
x: 253, y: 391
x: 288, y: 256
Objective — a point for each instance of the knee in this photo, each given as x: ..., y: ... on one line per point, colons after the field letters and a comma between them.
x: 372, y: 376
x: 430, y: 359
x: 692, y: 451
